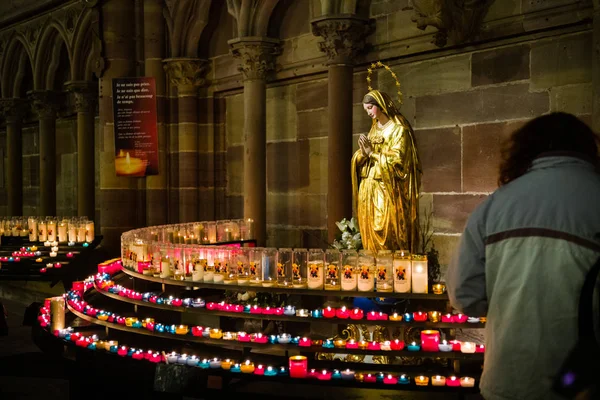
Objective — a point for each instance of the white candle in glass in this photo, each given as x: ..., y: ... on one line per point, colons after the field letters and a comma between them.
x: 467, y: 381
x: 89, y: 231
x: 438, y: 380
x: 467, y: 347
x: 419, y: 274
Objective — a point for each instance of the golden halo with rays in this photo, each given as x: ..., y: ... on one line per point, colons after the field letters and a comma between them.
x: 377, y: 65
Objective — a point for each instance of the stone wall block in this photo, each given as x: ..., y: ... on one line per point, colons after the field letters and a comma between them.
x: 235, y: 170
x: 188, y: 169
x: 224, y: 67
x: 162, y: 109
x: 361, y: 123
x: 188, y: 109
x: 561, y: 61
x: 288, y: 166
x: 502, y: 9
x: 486, y: 104
x: 66, y: 136
x: 235, y: 119
x: 482, y: 145
x: 156, y: 200
x: 284, y: 237
x: 206, y: 138
x: 447, y: 246
x: 30, y: 140
x: 360, y: 87
x: 439, y: 151
x: 311, y: 95
x: 313, y: 124
x: 574, y: 99
x: 220, y: 167
x: 220, y: 109
x: 306, y: 47
x: 115, y: 206
x: 31, y: 199
x: 282, y: 117
x: 173, y: 212
x: 188, y: 204
x: 206, y: 110
x: 382, y: 7
x: 206, y: 204
x: 307, y: 210
x: 187, y: 136
x: 500, y: 65
x: 173, y: 110
x: 528, y: 6
x: 206, y: 169
x: 235, y: 207
x: 450, y: 212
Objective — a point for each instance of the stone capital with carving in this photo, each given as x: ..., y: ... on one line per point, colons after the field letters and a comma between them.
x: 344, y: 37
x: 86, y: 95
x: 257, y: 56
x: 44, y: 103
x: 188, y: 74
x: 13, y: 109
x: 456, y: 22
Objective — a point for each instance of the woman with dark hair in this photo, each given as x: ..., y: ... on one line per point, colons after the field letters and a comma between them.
x: 525, y: 252
x: 386, y: 176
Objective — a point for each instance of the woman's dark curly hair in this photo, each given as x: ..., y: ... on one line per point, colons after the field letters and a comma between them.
x: 556, y: 132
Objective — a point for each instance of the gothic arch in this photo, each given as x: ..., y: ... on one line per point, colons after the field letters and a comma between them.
x: 49, y: 56
x: 252, y: 16
x: 17, y: 65
x: 186, y: 20
x: 82, y: 46
x: 359, y: 8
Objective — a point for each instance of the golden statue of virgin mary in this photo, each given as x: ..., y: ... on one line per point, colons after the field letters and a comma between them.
x: 386, y: 177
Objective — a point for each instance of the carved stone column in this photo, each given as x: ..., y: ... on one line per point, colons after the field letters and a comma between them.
x: 13, y: 110
x: 257, y: 60
x: 157, y: 201
x: 343, y: 41
x: 596, y: 68
x: 86, y: 98
x: 44, y: 104
x: 187, y: 74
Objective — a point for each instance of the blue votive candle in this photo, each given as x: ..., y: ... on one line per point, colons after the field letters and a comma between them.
x: 136, y: 324
x: 187, y: 302
x: 403, y: 379
x: 146, y: 296
x: 282, y: 371
x: 198, y: 303
x: 336, y: 374
x: 235, y: 368
x: 160, y: 328
x: 130, y: 352
x: 273, y: 339
x: 160, y: 300
x: 113, y: 349
x: 414, y: 346
x: 247, y: 308
x: 316, y: 313
x: 380, y: 377
x: 295, y: 340
x: 328, y: 344
x: 407, y: 317
x: 270, y: 371
x: 171, y: 329
x: 92, y: 346
x: 205, y: 364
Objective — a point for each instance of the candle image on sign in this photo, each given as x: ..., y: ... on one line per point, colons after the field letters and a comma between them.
x: 129, y: 166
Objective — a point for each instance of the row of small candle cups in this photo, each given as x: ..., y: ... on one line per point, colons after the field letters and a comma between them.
x: 297, y: 365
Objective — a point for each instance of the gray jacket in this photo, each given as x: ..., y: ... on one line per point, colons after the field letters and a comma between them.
x: 521, y: 262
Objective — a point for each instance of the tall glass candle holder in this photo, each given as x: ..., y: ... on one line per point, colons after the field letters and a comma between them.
x: 385, y: 280
x: 402, y: 271
x: 332, y: 270
x: 89, y: 231
x: 42, y: 230
x: 316, y: 260
x: 177, y: 266
x: 33, y: 230
x: 72, y: 230
x: 51, y: 226
x: 256, y: 259
x: 348, y: 271
x: 211, y: 232
x: 269, y: 266
x: 229, y: 269
x: 166, y: 262
x: 284, y: 267
x: 209, y: 267
x: 240, y: 257
x: 219, y: 264
x: 419, y: 273
x: 366, y: 266
x: 63, y: 231
x: 299, y: 268
x: 80, y: 231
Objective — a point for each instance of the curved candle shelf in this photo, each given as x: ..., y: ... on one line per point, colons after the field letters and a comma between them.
x: 277, y: 289
x: 338, y: 321
x: 283, y: 347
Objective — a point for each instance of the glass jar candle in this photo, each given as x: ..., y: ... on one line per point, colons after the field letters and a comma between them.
x: 316, y: 260
x: 332, y: 271
x: 298, y: 367
x: 299, y: 268
x: 284, y: 267
x: 419, y: 274
x: 402, y: 271
x: 384, y: 278
x: 269, y: 265
x: 348, y: 275
x: 366, y: 266
x: 255, y: 267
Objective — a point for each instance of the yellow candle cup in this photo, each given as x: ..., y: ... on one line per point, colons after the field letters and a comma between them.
x: 229, y: 336
x: 110, y: 343
x: 102, y: 317
x: 341, y: 343
x: 247, y: 367
x: 438, y: 380
x: 226, y: 364
x: 395, y: 317
x: 359, y: 377
x: 216, y: 334
x: 422, y: 380
x: 434, y: 316
x: 363, y: 345
x: 439, y: 288
x: 130, y: 320
x: 182, y: 330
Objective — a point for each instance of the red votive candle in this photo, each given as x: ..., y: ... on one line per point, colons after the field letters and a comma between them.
x: 267, y: 311
x: 209, y: 306
x: 390, y: 379
x: 430, y: 339
x: 329, y: 312
x: 342, y: 313
x: 256, y: 310
x: 397, y: 344
x: 324, y: 375
x: 480, y: 348
x: 370, y: 378
x: 298, y: 367
x: 372, y: 316
x: 304, y: 342
x: 259, y: 370
x: 374, y: 346
x: 352, y: 344
x: 258, y: 338
x: 420, y: 316
x: 357, y: 313
x: 452, y: 381
x: 455, y: 346
x: 243, y: 337
x: 447, y: 318
x: 382, y: 316
x: 459, y: 318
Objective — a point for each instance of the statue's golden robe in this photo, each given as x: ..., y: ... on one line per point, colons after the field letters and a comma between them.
x: 385, y: 185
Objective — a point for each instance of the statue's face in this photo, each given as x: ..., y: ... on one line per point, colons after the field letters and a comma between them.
x: 372, y: 111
